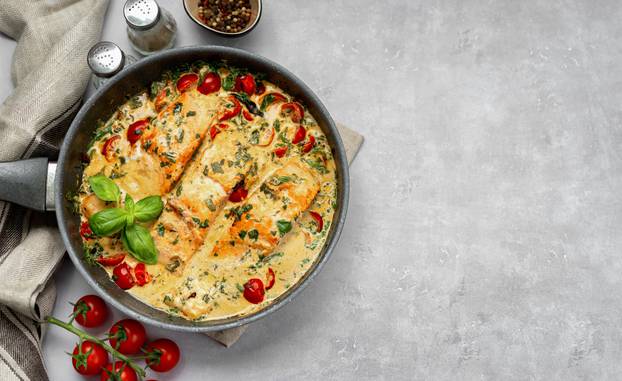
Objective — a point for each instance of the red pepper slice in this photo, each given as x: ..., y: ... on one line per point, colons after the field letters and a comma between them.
x: 280, y: 151
x: 319, y: 221
x: 231, y: 112
x: 271, y: 278
x: 141, y: 274
x: 108, y: 147
x: 245, y: 83
x: 254, y: 291
x: 213, y: 131
x: 85, y: 230
x: 112, y: 260
x: 299, y: 135
x: 308, y: 146
x: 186, y: 81
x: 122, y: 276
x: 270, y: 99
x: 239, y: 193
x: 135, y: 130
x: 295, y: 109
x: 210, y: 84
x: 247, y: 115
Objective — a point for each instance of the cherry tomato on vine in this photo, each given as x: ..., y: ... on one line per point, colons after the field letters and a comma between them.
x: 186, y: 81
x: 89, y: 358
x: 127, y: 336
x: 121, y: 372
x: 162, y: 355
x: 254, y: 291
x: 90, y: 311
x: 122, y: 276
x: 210, y: 84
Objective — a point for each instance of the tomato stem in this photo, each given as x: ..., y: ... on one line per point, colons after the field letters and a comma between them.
x: 86, y: 337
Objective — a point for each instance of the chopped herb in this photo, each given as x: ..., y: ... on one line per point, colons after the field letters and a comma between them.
x: 217, y: 167
x: 202, y: 224
x: 179, y: 190
x: 254, y: 137
x: 191, y: 113
x: 173, y: 264
x: 284, y: 226
x: 239, y: 287
x: 318, y: 165
x: 177, y: 108
x: 277, y: 125
x: 210, y: 205
x: 242, y: 234
x: 180, y: 136
x: 160, y: 229
x: 167, y: 299
x: 135, y: 102
x: 205, y: 170
x: 253, y: 234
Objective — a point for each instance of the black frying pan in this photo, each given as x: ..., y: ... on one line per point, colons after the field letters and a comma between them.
x: 40, y: 185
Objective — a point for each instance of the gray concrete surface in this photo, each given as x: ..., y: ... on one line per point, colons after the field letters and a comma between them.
x: 483, y: 240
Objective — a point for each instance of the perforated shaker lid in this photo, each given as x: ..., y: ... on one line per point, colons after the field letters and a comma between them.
x: 105, y: 59
x: 141, y: 14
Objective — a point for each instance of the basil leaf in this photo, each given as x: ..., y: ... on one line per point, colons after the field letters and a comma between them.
x: 129, y: 208
x: 284, y: 226
x: 104, y: 188
x: 149, y: 208
x: 139, y: 243
x: 108, y: 221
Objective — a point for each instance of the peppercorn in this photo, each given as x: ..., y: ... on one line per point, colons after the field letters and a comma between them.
x: 229, y: 16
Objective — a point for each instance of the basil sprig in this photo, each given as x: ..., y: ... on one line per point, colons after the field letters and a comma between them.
x: 136, y: 238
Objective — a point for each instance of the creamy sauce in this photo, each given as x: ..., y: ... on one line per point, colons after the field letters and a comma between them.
x: 206, y: 241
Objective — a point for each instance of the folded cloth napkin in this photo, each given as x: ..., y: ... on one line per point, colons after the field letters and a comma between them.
x: 50, y: 76
x: 352, y: 142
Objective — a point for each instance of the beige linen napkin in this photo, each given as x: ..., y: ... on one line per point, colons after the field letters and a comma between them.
x: 50, y: 74
x: 352, y: 142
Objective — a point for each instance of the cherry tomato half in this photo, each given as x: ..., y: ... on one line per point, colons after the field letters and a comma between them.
x: 254, y: 291
x: 85, y: 230
x: 162, y: 355
x: 245, y: 83
x: 239, y: 193
x: 90, y: 311
x: 108, y: 149
x: 271, y: 278
x: 213, y: 131
x: 141, y: 274
x: 122, y: 276
x: 111, y: 260
x: 186, y: 81
x: 231, y: 112
x: 210, y: 84
x: 319, y: 221
x: 280, y: 151
x: 270, y: 99
x: 121, y: 372
x: 308, y: 146
x: 299, y: 135
x: 135, y: 130
x: 89, y: 358
x: 127, y: 336
x: 295, y: 109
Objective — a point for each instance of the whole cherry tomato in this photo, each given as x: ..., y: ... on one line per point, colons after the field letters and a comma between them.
x: 162, y: 355
x: 121, y: 372
x: 111, y: 260
x: 210, y: 84
x: 271, y: 278
x: 245, y: 83
x: 233, y: 111
x: 135, y: 130
x: 254, y: 291
x: 280, y: 151
x: 127, y: 336
x: 295, y: 109
x: 186, y: 81
x: 122, y: 276
x: 299, y: 135
x: 308, y: 146
x: 141, y: 274
x: 108, y: 149
x: 89, y: 358
x: 90, y: 311
x: 238, y: 194
x: 319, y: 221
x: 85, y: 230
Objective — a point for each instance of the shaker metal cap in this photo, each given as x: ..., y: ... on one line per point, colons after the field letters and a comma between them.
x: 141, y: 14
x: 105, y: 59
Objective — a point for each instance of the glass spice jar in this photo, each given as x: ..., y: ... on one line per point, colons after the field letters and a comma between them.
x: 106, y: 59
x: 150, y: 28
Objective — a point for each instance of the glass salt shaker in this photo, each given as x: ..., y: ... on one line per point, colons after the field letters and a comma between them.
x: 105, y: 60
x: 150, y: 28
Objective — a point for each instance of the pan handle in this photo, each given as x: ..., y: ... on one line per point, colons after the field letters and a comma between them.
x: 29, y: 183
